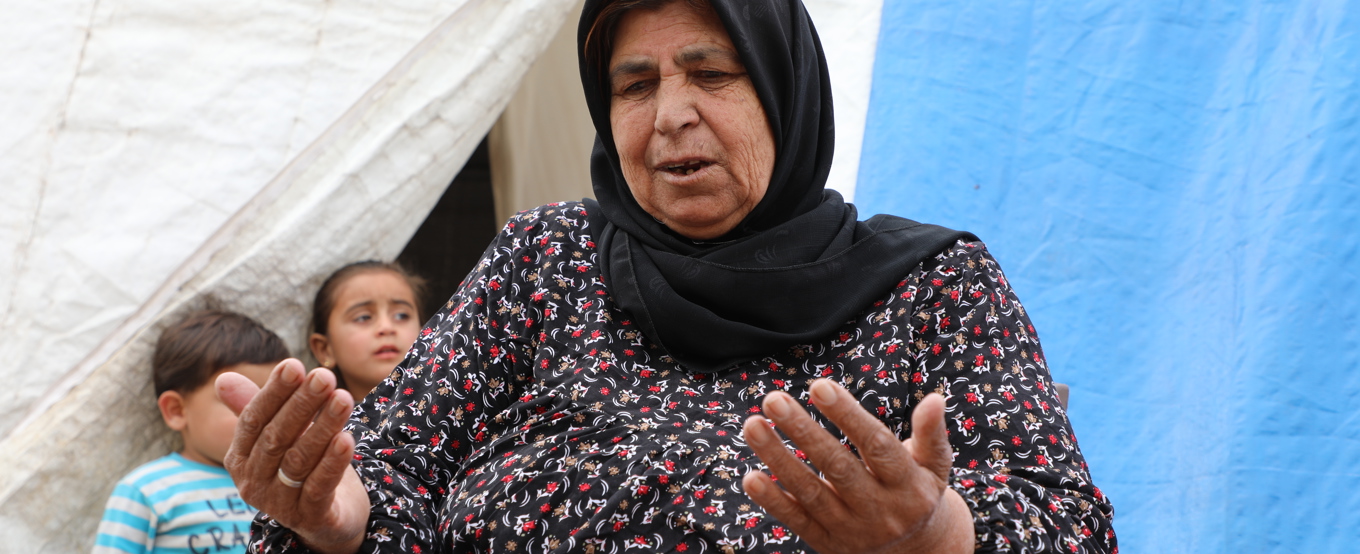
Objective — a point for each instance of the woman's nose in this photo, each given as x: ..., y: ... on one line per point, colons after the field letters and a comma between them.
x: 675, y: 110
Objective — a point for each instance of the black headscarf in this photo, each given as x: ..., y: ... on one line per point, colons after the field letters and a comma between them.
x: 800, y: 265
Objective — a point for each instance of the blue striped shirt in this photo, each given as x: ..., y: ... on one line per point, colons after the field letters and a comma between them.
x: 175, y: 506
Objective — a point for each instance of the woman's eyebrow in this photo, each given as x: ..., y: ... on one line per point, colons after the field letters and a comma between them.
x: 635, y: 66
x: 695, y: 54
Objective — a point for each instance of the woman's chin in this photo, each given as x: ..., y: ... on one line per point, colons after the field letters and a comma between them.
x: 702, y: 218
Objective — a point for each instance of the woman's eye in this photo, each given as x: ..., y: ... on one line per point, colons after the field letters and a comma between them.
x: 363, y: 318
x: 713, y: 78
x: 402, y: 316
x: 636, y: 88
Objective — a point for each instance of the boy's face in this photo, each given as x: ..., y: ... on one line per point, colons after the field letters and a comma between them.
x: 205, y: 422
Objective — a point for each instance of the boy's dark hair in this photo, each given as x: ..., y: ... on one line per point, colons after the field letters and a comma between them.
x: 190, y: 352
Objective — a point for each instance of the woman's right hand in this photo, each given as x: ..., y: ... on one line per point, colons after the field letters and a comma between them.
x: 293, y: 430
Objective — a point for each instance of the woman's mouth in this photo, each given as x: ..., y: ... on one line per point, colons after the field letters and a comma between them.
x: 682, y: 169
x: 387, y: 352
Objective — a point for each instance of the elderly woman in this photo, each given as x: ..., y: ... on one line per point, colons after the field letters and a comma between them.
x: 602, y: 380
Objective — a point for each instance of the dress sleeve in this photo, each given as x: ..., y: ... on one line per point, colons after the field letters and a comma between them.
x: 1016, y: 460
x: 415, y: 430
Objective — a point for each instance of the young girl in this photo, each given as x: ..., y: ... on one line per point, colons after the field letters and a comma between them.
x: 364, y: 319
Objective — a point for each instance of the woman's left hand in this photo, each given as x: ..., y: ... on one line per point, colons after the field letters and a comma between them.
x: 896, y: 499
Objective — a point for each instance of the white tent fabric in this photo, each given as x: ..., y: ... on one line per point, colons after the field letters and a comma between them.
x: 849, y: 33
x: 540, y: 148
x: 133, y: 129
x: 360, y: 190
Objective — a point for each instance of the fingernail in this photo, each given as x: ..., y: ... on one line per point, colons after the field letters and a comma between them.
x: 317, y: 385
x: 755, y: 485
x: 337, y: 407
x: 777, y: 406
x: 290, y: 376
x: 824, y: 394
x: 748, y: 432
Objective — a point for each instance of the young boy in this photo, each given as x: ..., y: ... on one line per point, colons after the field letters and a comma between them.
x: 186, y: 502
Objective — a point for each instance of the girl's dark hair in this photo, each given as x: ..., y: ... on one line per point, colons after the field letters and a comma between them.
x: 190, y: 352
x: 599, y: 44
x: 325, y: 296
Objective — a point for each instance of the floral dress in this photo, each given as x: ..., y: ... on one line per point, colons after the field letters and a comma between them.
x: 532, y: 415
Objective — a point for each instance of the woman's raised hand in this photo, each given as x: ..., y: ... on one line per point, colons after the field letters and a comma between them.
x: 290, y: 455
x: 895, y: 499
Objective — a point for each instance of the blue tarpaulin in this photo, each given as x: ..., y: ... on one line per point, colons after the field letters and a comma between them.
x: 1173, y: 188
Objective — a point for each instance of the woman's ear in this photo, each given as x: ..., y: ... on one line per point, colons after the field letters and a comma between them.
x: 321, y: 350
x: 171, y: 404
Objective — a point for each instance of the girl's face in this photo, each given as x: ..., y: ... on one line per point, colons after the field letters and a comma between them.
x: 370, y: 329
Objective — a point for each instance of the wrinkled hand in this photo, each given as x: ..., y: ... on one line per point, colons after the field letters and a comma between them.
x: 896, y: 499
x: 295, y: 425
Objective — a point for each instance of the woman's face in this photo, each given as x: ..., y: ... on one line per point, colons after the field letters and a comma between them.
x: 692, y: 137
